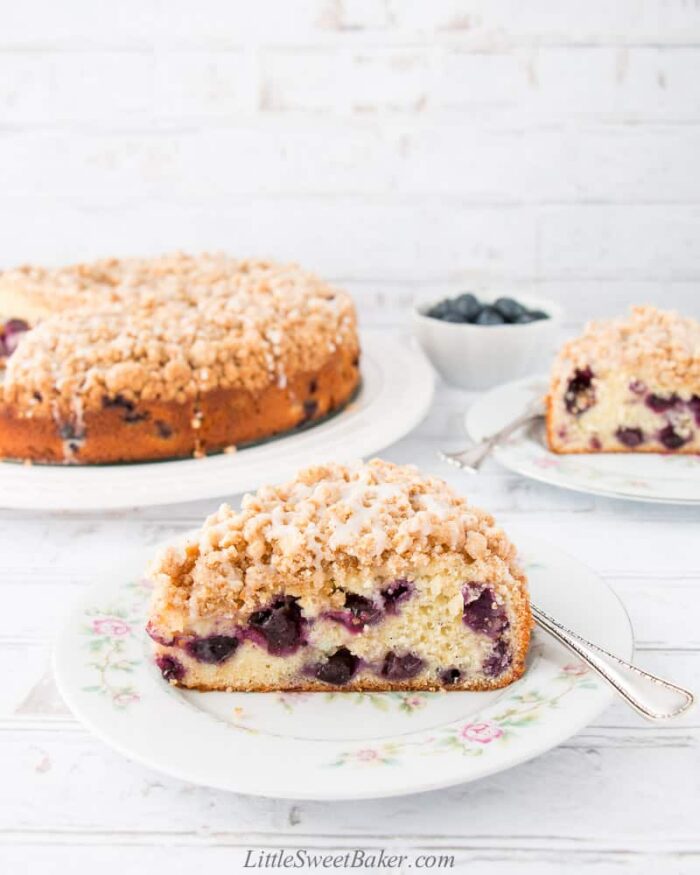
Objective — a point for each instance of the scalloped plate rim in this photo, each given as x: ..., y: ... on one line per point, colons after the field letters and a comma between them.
x: 109, y: 725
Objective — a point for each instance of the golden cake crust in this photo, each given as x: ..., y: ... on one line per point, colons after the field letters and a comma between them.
x: 221, y: 419
x: 368, y: 684
x: 164, y: 357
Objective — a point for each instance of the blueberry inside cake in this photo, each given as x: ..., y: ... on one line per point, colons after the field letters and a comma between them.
x: 628, y: 385
x: 369, y: 577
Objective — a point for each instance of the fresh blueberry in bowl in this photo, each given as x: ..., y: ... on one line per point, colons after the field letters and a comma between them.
x: 439, y: 310
x: 469, y: 309
x: 490, y: 316
x: 452, y: 316
x: 510, y: 309
x: 477, y: 342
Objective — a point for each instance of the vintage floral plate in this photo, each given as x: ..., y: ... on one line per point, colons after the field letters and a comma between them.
x: 641, y: 477
x: 396, y: 392
x: 334, y: 746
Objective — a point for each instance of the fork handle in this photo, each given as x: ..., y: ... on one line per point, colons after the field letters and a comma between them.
x: 475, y: 456
x: 649, y: 695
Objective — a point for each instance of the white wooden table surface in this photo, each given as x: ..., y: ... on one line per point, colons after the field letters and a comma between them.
x: 622, y: 796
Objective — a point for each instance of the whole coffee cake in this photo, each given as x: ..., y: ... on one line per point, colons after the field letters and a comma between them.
x: 174, y: 356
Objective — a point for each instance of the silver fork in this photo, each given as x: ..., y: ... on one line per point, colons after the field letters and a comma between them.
x: 473, y: 458
x: 649, y: 695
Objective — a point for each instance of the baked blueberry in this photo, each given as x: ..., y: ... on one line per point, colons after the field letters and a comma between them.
x: 630, y: 437
x: 670, y: 438
x: 482, y: 613
x: 498, y: 660
x: 10, y: 335
x: 400, y: 668
x: 449, y: 676
x: 580, y: 394
x: 694, y: 407
x: 662, y: 403
x: 395, y: 593
x: 357, y: 613
x: 164, y: 430
x: 338, y: 669
x: 214, y: 649
x: 310, y: 409
x: 280, y: 627
x: 171, y: 668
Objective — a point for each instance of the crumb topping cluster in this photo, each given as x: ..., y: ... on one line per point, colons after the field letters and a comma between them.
x: 168, y: 329
x: 330, y: 524
x: 655, y: 344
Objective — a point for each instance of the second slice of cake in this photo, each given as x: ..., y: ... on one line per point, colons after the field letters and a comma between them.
x: 369, y: 577
x: 628, y: 386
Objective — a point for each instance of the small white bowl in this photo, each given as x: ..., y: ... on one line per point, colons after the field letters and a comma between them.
x: 482, y: 356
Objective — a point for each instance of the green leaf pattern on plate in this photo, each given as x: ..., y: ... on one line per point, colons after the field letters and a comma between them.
x: 521, y: 711
x: 113, y: 637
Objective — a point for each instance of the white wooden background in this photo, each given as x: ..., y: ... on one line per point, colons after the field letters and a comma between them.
x: 397, y: 146
x: 401, y: 148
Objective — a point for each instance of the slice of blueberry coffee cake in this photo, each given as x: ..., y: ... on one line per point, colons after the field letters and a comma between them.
x: 628, y: 385
x: 369, y: 577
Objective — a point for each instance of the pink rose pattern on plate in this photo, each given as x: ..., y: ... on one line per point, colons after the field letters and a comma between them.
x: 112, y: 642
x: 111, y: 627
x: 483, y: 733
x: 473, y: 738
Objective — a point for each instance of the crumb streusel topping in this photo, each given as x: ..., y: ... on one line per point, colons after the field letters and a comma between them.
x: 321, y: 530
x: 169, y: 329
x: 655, y: 344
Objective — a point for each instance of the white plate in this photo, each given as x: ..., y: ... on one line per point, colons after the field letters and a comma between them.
x: 396, y: 392
x: 653, y: 477
x: 334, y: 746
